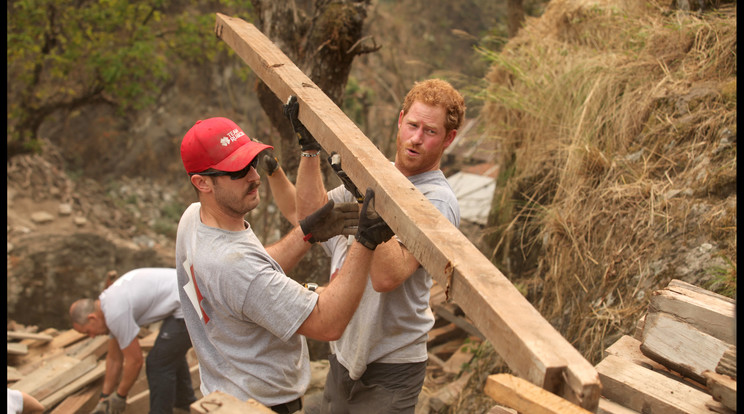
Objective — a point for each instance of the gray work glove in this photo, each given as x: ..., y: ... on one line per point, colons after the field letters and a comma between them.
x: 291, y: 111
x: 101, y: 407
x: 372, y: 228
x: 331, y: 220
x: 116, y: 404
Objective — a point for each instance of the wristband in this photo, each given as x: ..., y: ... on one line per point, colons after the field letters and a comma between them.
x: 123, y: 397
x: 104, y: 395
x: 309, y: 155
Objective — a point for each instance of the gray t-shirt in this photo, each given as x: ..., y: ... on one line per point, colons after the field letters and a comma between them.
x: 390, y: 327
x: 138, y: 298
x: 242, y: 313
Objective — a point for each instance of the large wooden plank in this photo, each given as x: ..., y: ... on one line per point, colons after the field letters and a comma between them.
x: 646, y: 391
x: 708, y: 312
x: 53, y: 384
x: 526, y: 341
x: 525, y: 397
x: 82, y: 401
x: 36, y: 379
x: 29, y: 335
x: 81, y: 381
x: 680, y: 346
x: 722, y: 388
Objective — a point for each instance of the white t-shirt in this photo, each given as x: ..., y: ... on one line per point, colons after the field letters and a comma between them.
x: 15, y: 402
x: 138, y: 298
x: 390, y: 327
x: 242, y: 313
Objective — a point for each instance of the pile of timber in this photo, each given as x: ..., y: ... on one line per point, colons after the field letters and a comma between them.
x: 64, y: 370
x: 682, y: 358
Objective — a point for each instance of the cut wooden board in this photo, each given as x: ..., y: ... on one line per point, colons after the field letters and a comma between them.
x: 525, y: 397
x: 643, y: 390
x: 13, y: 374
x: 89, y: 377
x: 629, y: 348
x: 219, y: 402
x: 29, y: 335
x: 82, y: 401
x: 462, y: 356
x: 707, y: 311
x: 680, y: 346
x: 15, y: 348
x: 520, y: 335
x: 727, y: 364
x: 610, y: 407
x: 722, y: 388
x: 51, y: 369
x: 53, y: 384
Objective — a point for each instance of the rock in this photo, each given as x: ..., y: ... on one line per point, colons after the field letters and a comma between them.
x: 41, y: 217
x: 80, y: 221
x: 65, y: 209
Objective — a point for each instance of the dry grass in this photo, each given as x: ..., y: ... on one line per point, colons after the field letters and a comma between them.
x: 617, y: 128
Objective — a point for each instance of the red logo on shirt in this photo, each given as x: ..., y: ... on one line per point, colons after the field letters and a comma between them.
x: 199, y: 296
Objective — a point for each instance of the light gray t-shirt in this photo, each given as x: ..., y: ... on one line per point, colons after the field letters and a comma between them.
x: 390, y: 327
x: 138, y: 298
x: 242, y: 313
x: 15, y: 402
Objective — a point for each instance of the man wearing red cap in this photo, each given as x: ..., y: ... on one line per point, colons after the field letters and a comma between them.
x: 247, y: 319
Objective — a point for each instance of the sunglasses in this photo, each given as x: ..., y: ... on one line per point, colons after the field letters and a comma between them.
x: 234, y: 175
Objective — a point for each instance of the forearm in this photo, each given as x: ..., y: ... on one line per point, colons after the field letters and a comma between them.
x: 289, y: 250
x: 284, y: 195
x: 311, y: 194
x: 338, y: 301
x: 130, y: 373
x: 113, y: 367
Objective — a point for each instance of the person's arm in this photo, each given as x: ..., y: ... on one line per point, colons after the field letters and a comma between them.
x: 338, y: 301
x: 284, y: 194
x: 391, y: 266
x: 310, y: 193
x: 114, y: 362
x: 31, y: 405
x: 133, y: 362
x: 289, y: 250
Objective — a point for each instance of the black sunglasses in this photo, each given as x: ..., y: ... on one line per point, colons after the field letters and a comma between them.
x: 234, y: 175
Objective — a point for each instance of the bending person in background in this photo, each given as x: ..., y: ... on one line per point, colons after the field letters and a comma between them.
x: 138, y: 298
x: 379, y: 363
x: 247, y: 319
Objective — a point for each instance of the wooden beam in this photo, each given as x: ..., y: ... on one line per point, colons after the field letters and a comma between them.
x: 526, y: 341
x: 29, y: 335
x: 707, y: 311
x: 15, y: 348
x: 643, y: 390
x: 722, y: 388
x: 89, y: 377
x: 82, y: 401
x: 675, y: 344
x: 525, y: 397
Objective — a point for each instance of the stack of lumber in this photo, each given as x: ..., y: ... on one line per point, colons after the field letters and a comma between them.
x: 682, y: 358
x: 64, y: 370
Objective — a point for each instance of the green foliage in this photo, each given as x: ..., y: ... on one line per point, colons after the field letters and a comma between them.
x: 64, y: 54
x: 724, y: 279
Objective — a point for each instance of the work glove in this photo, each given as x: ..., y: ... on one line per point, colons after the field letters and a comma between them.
x: 330, y: 220
x: 372, y: 228
x: 291, y: 111
x: 335, y: 161
x: 112, y: 404
x: 267, y: 161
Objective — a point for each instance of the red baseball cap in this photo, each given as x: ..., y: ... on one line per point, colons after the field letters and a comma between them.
x: 218, y: 143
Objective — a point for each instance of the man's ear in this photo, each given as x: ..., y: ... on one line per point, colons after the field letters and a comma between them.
x: 450, y: 138
x: 201, y: 183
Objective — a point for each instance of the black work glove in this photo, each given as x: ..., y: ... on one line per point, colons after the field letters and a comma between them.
x: 291, y: 111
x: 372, y: 228
x: 331, y: 220
x: 267, y: 161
